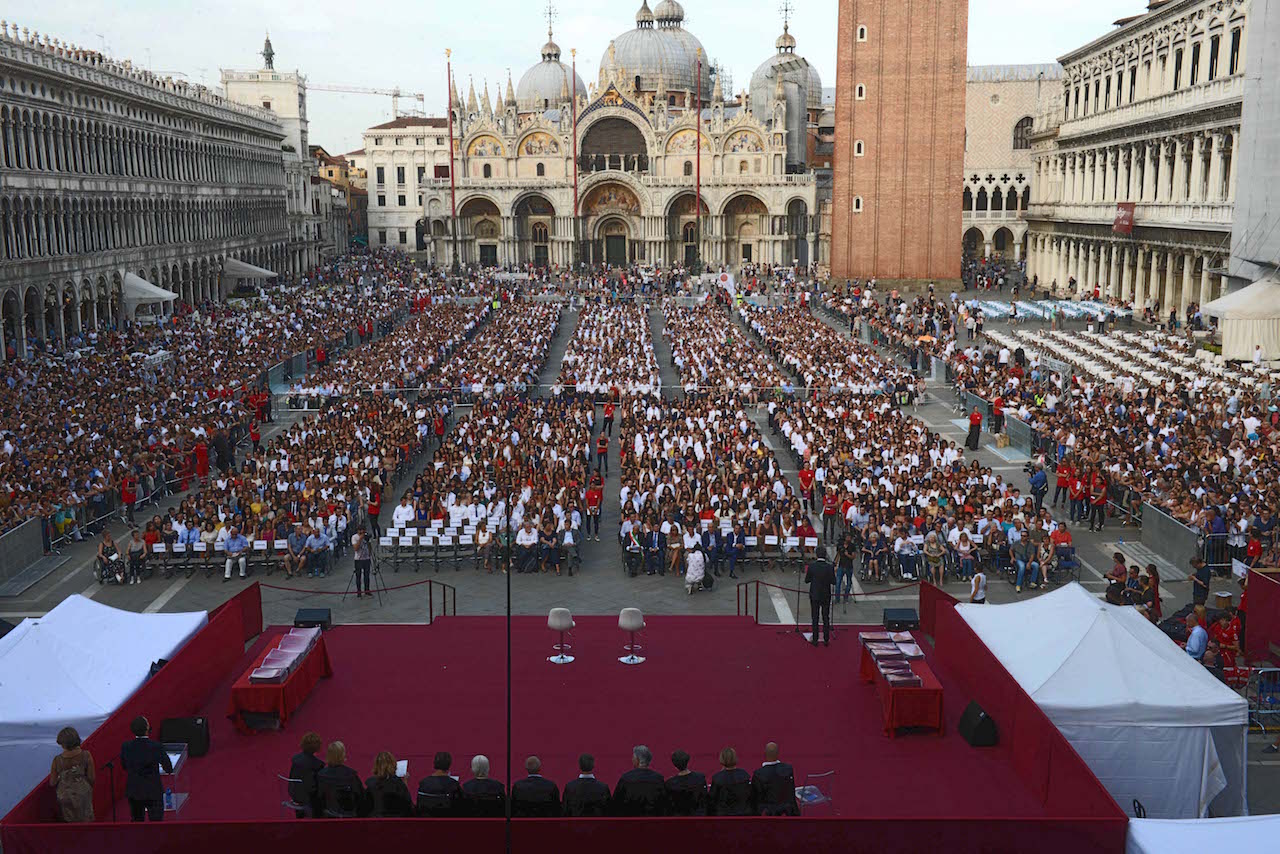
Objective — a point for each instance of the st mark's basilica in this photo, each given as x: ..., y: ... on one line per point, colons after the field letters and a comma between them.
x: 638, y: 143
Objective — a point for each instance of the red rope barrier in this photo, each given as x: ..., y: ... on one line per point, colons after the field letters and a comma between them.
x: 910, y: 586
x: 343, y: 593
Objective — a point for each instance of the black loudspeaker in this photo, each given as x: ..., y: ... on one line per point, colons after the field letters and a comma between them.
x: 308, y: 618
x: 901, y: 619
x: 977, y: 727
x: 193, y: 732
x: 156, y: 665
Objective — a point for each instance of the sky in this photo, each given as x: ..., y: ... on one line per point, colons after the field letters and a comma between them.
x: 401, y: 43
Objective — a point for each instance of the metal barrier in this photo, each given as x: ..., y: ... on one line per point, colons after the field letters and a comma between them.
x: 20, y: 548
x: 1021, y: 436
x: 448, y: 600
x: 1167, y: 537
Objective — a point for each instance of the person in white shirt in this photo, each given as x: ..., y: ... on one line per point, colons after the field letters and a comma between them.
x: 403, y: 514
x: 527, y: 547
x: 695, y: 568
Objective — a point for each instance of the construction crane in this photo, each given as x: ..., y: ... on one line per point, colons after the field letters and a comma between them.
x: 395, y: 94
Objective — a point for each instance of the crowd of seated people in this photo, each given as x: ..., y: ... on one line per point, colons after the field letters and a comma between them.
x: 519, y: 469
x: 698, y: 471
x: 611, y: 352
x: 123, y: 413
x: 329, y: 788
x: 713, y: 355
x: 507, y: 353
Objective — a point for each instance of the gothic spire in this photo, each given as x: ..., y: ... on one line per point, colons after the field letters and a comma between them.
x: 268, y: 54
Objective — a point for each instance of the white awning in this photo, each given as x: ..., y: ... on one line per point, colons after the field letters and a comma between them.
x: 138, y: 291
x: 240, y: 270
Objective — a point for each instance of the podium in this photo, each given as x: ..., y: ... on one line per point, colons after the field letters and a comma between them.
x: 175, y: 785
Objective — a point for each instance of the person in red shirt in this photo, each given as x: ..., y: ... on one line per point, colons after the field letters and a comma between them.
x: 595, y: 497
x: 375, y: 510
x: 1097, y: 501
x: 806, y: 476
x: 830, y: 521
x: 997, y: 415
x: 607, y: 427
x: 1065, y: 472
x: 1226, y: 631
x: 1078, y: 493
x: 602, y: 453
x: 975, y: 430
x: 129, y: 494
x: 437, y: 427
x: 255, y: 436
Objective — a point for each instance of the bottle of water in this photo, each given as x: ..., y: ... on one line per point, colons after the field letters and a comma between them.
x: 168, y: 798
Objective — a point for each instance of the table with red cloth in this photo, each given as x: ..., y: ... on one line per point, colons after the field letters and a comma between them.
x: 279, y: 698
x: 906, y: 706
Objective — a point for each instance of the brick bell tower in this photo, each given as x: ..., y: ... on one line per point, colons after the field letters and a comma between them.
x: 899, y: 140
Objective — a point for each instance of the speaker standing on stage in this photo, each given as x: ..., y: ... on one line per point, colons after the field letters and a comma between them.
x: 142, y: 759
x: 821, y: 578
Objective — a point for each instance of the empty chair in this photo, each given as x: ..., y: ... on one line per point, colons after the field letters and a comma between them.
x: 630, y: 620
x: 560, y: 620
x: 289, y: 804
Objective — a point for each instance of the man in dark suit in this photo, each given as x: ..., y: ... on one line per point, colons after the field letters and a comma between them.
x: 773, y: 786
x: 734, y: 545
x: 439, y: 795
x: 687, y: 790
x: 713, y: 548
x: 586, y: 796
x: 641, y: 791
x: 535, y: 796
x: 142, y: 758
x: 303, y: 768
x: 655, y: 548
x: 820, y: 577
x: 482, y: 796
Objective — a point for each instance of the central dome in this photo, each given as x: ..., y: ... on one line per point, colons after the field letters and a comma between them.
x: 544, y: 85
x: 667, y: 51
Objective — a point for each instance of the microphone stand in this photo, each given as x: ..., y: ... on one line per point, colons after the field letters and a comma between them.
x: 111, y: 772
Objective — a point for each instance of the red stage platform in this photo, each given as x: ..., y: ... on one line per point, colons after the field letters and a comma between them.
x: 707, y: 683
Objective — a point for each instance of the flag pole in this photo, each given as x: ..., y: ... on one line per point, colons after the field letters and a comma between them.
x: 453, y: 190
x: 573, y: 52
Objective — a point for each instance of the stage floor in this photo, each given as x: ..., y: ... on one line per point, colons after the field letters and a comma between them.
x: 708, y: 682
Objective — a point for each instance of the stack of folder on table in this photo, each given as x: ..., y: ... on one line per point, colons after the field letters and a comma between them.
x: 891, y: 652
x: 288, y: 652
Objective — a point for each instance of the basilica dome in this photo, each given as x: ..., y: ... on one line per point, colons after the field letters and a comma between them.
x: 660, y: 47
x: 544, y: 86
x: 793, y: 69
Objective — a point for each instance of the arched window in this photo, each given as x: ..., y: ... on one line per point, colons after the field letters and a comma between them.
x: 860, y: 93
x: 862, y: 34
x: 542, y: 170
x: 539, y: 232
x: 982, y: 200
x: 690, y: 232
x: 488, y: 171
x: 688, y: 168
x: 968, y: 200
x: 1022, y: 134
x: 857, y: 204
x: 742, y: 167
x: 857, y: 148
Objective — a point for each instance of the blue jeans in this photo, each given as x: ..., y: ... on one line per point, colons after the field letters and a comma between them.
x: 1022, y: 569
x: 844, y: 582
x: 908, y: 563
x: 967, y: 567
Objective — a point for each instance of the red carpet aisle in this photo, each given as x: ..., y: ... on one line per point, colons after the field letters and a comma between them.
x: 708, y: 682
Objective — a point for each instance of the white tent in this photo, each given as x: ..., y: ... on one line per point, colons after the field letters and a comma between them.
x: 1151, y: 722
x: 242, y: 270
x: 1249, y: 317
x: 1163, y: 836
x: 73, y: 667
x: 138, y: 291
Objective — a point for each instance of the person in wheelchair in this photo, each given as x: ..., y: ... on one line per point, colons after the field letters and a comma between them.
x: 908, y: 555
x: 875, y: 557
x: 107, y: 565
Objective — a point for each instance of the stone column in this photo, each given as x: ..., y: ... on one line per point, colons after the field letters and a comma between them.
x: 1164, y: 154
x: 1235, y: 162
x: 1167, y: 301
x: 1140, y: 292
x: 1113, y: 277
x: 1205, y: 294
x: 1215, y: 168
x: 1089, y: 280
x: 1126, y: 284
x: 1148, y: 172
x: 1017, y: 250
x: 1184, y: 298
x: 986, y: 249
x: 1197, y: 169
x: 1131, y: 173
x: 1179, y: 170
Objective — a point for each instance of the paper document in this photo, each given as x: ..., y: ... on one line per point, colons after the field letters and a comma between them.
x: 402, y: 767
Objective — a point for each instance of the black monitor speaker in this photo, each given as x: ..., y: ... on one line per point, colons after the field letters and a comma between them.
x: 977, y: 727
